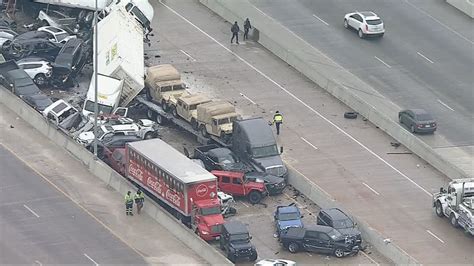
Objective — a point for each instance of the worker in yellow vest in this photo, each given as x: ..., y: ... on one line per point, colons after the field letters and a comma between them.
x: 129, y: 203
x: 277, y: 120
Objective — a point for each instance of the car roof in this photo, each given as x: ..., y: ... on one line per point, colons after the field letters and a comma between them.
x: 32, y: 35
x: 75, y: 43
x: 31, y: 60
x: 119, y: 137
x: 17, y: 73
x: 287, y: 209
x: 418, y: 111
x: 235, y: 227
x: 369, y: 15
x: 335, y: 213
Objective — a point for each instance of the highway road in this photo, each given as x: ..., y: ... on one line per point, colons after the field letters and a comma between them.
x: 425, y: 60
x: 351, y: 160
x: 40, y: 225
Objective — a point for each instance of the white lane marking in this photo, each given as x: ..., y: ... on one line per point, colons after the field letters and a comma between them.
x: 435, y: 236
x: 445, y: 105
x: 442, y: 24
x: 192, y: 58
x: 309, y: 143
x: 245, y: 204
x: 327, y: 24
x: 38, y: 262
x: 373, y: 190
x: 95, y: 263
x: 245, y: 96
x: 387, y: 65
x: 369, y: 257
x: 299, y: 100
x: 34, y: 213
x: 427, y: 59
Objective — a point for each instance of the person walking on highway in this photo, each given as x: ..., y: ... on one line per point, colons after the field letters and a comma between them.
x: 129, y: 203
x: 139, y: 200
x: 235, y: 33
x: 247, y: 27
x: 277, y: 120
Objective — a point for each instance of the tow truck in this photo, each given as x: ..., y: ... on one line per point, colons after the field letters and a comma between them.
x: 457, y: 203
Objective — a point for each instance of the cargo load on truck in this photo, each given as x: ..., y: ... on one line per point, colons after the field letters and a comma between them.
x: 188, y: 190
x: 216, y: 118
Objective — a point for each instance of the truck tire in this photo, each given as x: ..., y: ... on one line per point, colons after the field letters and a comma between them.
x: 293, y: 247
x: 255, y: 197
x: 150, y: 114
x: 165, y: 106
x: 254, y: 256
x: 203, y: 131
x: 439, y: 209
x: 174, y: 112
x: 453, y: 220
x: 149, y: 135
x: 160, y: 119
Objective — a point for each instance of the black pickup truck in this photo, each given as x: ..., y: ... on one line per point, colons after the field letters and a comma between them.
x: 217, y: 158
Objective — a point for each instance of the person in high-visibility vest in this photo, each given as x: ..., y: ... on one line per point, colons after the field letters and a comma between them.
x: 277, y: 120
x: 129, y: 203
x: 139, y: 200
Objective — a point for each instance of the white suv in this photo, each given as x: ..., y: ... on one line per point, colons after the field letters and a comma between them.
x: 57, y: 35
x: 37, y: 68
x: 366, y: 23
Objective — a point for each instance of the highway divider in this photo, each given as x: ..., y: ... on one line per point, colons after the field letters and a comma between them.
x: 349, y: 89
x: 465, y: 6
x: 111, y: 178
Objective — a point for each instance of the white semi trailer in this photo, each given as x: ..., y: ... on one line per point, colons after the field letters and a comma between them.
x: 457, y: 203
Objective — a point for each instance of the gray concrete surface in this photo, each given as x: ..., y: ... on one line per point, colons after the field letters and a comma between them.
x: 153, y: 241
x: 39, y: 224
x: 351, y: 160
x: 465, y: 6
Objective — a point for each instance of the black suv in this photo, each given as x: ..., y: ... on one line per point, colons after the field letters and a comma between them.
x: 318, y: 238
x: 235, y: 241
x: 340, y: 221
x: 70, y: 61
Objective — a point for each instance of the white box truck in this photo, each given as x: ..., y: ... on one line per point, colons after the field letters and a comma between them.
x: 120, y: 56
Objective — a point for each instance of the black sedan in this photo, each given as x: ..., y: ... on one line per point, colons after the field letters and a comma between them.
x: 38, y: 101
x: 417, y: 120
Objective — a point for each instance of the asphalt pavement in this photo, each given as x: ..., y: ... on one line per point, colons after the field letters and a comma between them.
x: 425, y: 60
x: 40, y: 225
x: 351, y: 160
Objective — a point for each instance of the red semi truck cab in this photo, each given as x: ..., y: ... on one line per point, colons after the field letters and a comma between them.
x: 188, y: 190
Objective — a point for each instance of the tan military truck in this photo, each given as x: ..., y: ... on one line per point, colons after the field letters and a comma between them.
x: 216, y: 118
x: 186, y: 107
x: 164, y: 85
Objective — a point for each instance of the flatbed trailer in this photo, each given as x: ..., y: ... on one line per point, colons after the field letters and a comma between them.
x: 156, y: 113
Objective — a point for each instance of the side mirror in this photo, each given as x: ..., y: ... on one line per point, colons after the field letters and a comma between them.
x: 281, y: 149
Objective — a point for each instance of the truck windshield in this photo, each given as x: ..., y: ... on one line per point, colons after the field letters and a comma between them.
x: 103, y: 109
x: 138, y: 14
x: 340, y: 224
x: 266, y: 151
x: 239, y: 237
x: 211, y: 211
x: 289, y: 216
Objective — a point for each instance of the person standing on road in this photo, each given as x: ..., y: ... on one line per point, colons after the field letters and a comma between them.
x: 139, y: 200
x: 247, y: 27
x: 129, y: 203
x: 235, y: 33
x: 277, y: 120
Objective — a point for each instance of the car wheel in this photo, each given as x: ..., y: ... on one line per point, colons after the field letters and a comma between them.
x: 254, y: 257
x: 149, y: 135
x: 255, y: 197
x: 439, y: 209
x: 361, y: 34
x: 204, y: 131
x: 293, y: 247
x: 346, y: 24
x: 339, y: 253
x: 453, y: 220
x: 412, y: 128
x: 150, y: 114
x: 40, y: 79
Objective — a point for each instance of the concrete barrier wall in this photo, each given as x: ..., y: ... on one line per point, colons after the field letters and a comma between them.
x: 465, y: 6
x: 111, y: 178
x: 340, y: 83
